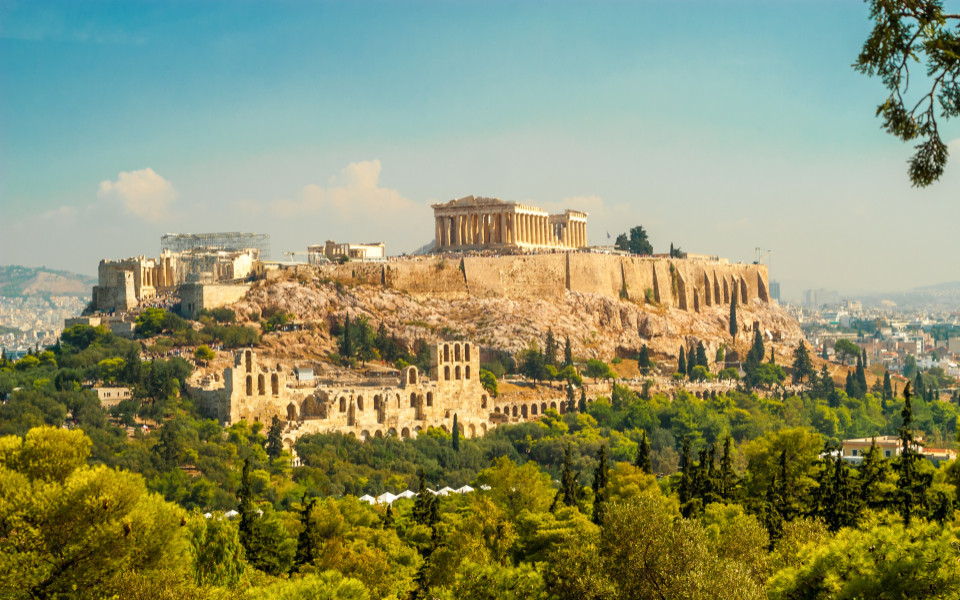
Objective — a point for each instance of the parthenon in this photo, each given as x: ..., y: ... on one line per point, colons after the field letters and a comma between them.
x: 476, y: 223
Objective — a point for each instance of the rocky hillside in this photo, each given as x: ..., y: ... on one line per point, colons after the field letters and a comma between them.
x: 598, y: 327
x: 27, y: 281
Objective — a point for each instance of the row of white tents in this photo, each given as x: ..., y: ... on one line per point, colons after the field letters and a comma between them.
x: 388, y: 498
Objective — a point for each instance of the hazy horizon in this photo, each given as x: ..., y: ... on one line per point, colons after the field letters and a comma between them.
x: 718, y: 126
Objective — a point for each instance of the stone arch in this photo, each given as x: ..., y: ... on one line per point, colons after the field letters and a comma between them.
x: 471, y: 430
x: 261, y: 385
x: 429, y: 398
x: 288, y: 443
x: 496, y: 410
x: 249, y: 385
x: 248, y: 359
x: 352, y: 434
x: 444, y: 427
x: 411, y: 375
x: 359, y: 402
x: 446, y: 353
x: 466, y: 372
x: 291, y: 412
x: 413, y: 400
x: 523, y: 411
x: 483, y: 401
x: 483, y: 427
x: 515, y: 412
x: 364, y: 435
x: 392, y: 432
x: 310, y: 408
x: 343, y: 404
x: 456, y: 372
x: 405, y: 433
x: 417, y: 430
x: 553, y: 405
x: 378, y: 434
x: 456, y: 353
x: 533, y: 409
x: 466, y: 352
x: 563, y: 407
x: 543, y: 407
x: 446, y: 373
x: 275, y: 384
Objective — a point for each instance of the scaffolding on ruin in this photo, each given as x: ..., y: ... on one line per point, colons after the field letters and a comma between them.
x: 231, y: 241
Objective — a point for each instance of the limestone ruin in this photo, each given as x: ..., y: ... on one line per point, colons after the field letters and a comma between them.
x: 490, y: 223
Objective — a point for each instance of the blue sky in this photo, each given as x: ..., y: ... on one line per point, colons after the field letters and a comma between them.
x: 720, y: 126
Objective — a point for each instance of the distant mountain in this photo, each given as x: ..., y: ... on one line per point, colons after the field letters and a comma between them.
x: 29, y: 281
x: 950, y: 286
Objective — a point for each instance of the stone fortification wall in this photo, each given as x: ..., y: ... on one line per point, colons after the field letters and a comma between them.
x: 195, y: 297
x: 687, y: 284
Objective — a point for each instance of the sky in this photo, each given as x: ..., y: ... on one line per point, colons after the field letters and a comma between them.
x: 720, y: 126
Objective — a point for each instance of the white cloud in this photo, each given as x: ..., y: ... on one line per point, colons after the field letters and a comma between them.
x: 143, y: 193
x: 355, y: 192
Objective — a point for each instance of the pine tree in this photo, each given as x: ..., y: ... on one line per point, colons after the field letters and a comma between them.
x: 728, y: 477
x: 682, y: 362
x: 569, y: 491
x: 456, y: 434
x: 691, y: 360
x: 567, y: 354
x: 802, y: 365
x: 840, y: 507
x: 600, y: 486
x: 873, y: 472
x: 825, y: 385
x: 733, y: 317
x: 550, y: 349
x: 887, y: 387
x: 274, y: 445
x: 423, y: 504
x: 346, y: 342
x: 643, y: 455
x: 702, y: 356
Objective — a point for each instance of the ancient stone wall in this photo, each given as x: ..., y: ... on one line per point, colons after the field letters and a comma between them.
x: 195, y: 297
x: 680, y: 283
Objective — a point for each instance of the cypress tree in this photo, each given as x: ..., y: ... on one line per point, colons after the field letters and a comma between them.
x: 569, y: 491
x: 550, y: 349
x: 861, y: 376
x: 691, y: 360
x: 643, y: 360
x: 388, y: 517
x: 733, y: 317
x: 773, y: 356
x: 456, y: 434
x: 571, y: 398
x: 823, y: 354
x: 702, y: 356
x: 582, y: 407
x: 917, y: 384
x: 247, y: 507
x: 757, y: 351
x: 346, y: 343
x: 422, y: 506
x: 911, y: 494
x: 600, y: 486
x: 643, y: 455
x: 851, y: 386
x: 682, y: 362
x: 274, y: 445
x: 307, y: 543
x: 728, y: 477
x: 567, y: 353
x: 873, y: 474
x: 685, y: 493
x: 887, y: 387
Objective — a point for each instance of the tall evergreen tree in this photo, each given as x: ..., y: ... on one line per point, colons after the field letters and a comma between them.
x: 567, y: 353
x: 550, y: 349
x: 600, y: 486
x: 456, y: 434
x: 685, y: 492
x: 308, y: 544
x: 388, y: 517
x: 840, y: 506
x: 802, y: 365
x: 274, y: 445
x: 702, y: 356
x: 851, y: 387
x: 346, y: 341
x: 733, y: 317
x: 861, y: 376
x: 569, y: 491
x: 887, y: 387
x: 643, y: 455
x: 823, y: 353
x: 918, y: 385
x: 825, y: 385
x: 643, y: 360
x: 682, y: 362
x: 728, y: 477
x: 912, y: 485
x: 571, y: 399
x: 582, y: 406
x: 691, y: 360
x: 423, y: 504
x: 873, y: 474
